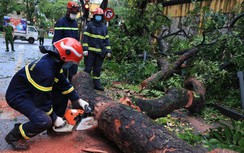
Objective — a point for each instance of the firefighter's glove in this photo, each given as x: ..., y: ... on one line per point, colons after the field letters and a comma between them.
x: 83, y: 103
x: 109, y: 55
x: 85, y: 53
x: 59, y: 122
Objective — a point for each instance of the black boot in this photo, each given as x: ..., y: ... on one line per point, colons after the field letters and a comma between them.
x: 97, y: 85
x: 15, y: 139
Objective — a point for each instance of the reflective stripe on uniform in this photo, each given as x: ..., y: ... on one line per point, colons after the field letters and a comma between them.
x: 56, y: 80
x: 96, y: 36
x: 50, y: 112
x: 65, y: 28
x: 85, y: 44
x: 94, y: 77
x: 94, y: 49
x: 108, y: 47
x: 23, y: 132
x: 68, y: 91
x: 39, y: 87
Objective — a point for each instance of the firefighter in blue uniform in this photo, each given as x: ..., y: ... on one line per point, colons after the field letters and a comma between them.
x: 32, y: 88
x: 96, y: 46
x: 67, y: 27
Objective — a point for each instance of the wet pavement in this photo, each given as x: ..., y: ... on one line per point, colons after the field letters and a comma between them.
x: 10, y: 63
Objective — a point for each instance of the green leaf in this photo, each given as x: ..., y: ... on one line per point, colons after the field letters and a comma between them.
x: 214, y: 141
x: 218, y: 136
x: 236, y: 137
x: 241, y: 142
x: 227, y: 133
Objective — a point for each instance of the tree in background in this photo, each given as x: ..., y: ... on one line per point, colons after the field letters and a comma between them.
x: 6, y: 7
x: 213, y: 56
x: 29, y: 10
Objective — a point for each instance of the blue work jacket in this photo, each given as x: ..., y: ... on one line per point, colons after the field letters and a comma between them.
x: 36, y: 82
x: 96, y: 38
x: 65, y: 27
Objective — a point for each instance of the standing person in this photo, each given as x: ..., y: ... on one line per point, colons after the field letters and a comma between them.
x: 8, y: 33
x: 41, y: 36
x: 67, y: 27
x: 32, y: 91
x: 96, y: 46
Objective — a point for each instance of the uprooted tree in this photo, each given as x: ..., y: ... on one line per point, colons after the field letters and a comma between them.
x: 205, y: 44
x: 133, y: 131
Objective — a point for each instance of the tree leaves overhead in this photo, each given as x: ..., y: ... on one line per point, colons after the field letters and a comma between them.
x: 6, y: 7
x: 29, y: 9
x: 53, y: 9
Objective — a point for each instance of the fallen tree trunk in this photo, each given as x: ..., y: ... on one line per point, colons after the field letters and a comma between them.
x: 131, y: 131
x: 191, y: 98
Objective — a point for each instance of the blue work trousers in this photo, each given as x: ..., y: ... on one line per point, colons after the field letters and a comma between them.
x: 93, y: 63
x: 39, y: 120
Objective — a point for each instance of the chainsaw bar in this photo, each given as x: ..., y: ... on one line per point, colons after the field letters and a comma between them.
x: 87, y: 123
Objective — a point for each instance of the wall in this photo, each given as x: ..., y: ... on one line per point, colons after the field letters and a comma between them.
x: 216, y: 5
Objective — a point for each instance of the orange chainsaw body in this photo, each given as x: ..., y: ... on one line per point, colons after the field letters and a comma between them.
x: 71, y: 114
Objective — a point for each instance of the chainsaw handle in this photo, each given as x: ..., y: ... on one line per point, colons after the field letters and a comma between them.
x: 88, y: 109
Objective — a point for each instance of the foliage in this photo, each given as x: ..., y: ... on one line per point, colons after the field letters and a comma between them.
x: 137, y: 26
x: 224, y: 136
x: 6, y: 7
x: 189, y: 136
x: 28, y: 7
x: 53, y: 9
x: 182, y: 129
x: 227, y: 136
x: 215, y: 64
x: 128, y: 72
x: 211, y: 115
x: 219, y: 57
x: 152, y: 93
x: 30, y: 10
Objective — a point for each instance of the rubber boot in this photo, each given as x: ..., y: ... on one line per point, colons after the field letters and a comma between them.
x: 15, y: 139
x: 97, y: 85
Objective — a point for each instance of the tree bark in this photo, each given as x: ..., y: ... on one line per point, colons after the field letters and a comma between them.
x: 130, y: 130
x: 191, y: 98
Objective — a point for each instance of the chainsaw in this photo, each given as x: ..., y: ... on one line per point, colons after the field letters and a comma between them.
x: 78, y: 119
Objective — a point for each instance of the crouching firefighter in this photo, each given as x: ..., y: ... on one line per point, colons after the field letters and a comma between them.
x: 96, y: 46
x: 32, y: 89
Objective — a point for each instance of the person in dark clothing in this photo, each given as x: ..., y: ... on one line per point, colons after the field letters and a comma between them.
x: 96, y: 46
x: 41, y: 32
x: 67, y: 27
x: 33, y: 88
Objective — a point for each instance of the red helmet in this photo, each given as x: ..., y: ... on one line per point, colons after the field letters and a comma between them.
x: 69, y: 49
x: 73, y: 7
x: 98, y: 11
